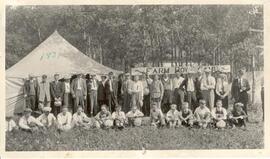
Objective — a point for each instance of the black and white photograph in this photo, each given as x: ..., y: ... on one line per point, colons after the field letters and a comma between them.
x: 134, y: 77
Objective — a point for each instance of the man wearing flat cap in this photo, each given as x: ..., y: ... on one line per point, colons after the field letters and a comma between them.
x: 44, y: 92
x: 47, y: 118
x: 30, y: 91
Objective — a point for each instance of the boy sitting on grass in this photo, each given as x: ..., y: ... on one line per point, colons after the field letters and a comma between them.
x: 134, y: 116
x: 10, y: 124
x: 80, y: 119
x: 104, y: 118
x: 172, y: 117
x: 219, y: 115
x: 202, y: 115
x: 238, y: 116
x: 119, y: 118
x: 156, y: 116
x: 64, y: 120
x: 186, y: 116
x: 47, y: 118
x: 28, y: 122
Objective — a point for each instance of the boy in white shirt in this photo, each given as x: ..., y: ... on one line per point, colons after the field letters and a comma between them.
x: 172, y: 117
x: 104, y: 118
x: 47, y: 118
x: 135, y: 116
x: 10, y: 124
x: 28, y: 122
x: 202, y: 115
x: 119, y: 118
x: 80, y: 119
x: 64, y: 119
x: 186, y: 115
x: 156, y: 116
x: 219, y: 115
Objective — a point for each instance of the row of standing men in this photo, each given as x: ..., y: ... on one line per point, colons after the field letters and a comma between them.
x: 91, y: 93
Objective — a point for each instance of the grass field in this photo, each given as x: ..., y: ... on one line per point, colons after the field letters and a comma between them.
x: 139, y: 138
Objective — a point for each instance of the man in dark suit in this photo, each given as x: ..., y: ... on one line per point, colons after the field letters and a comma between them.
x: 111, y: 92
x: 79, y: 92
x: 101, y: 96
x: 57, y: 92
x: 30, y: 91
x: 240, y: 87
x: 190, y: 87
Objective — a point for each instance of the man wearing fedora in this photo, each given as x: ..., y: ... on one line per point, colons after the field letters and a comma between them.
x: 79, y: 91
x: 44, y: 92
x: 30, y: 91
x: 57, y: 92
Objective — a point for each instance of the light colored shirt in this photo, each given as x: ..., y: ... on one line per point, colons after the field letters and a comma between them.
x: 79, y: 84
x: 138, y: 88
x: 67, y: 87
x: 64, y: 119
x: 118, y: 115
x: 10, y: 125
x: 190, y: 85
x: 208, y: 83
x: 177, y: 82
x: 132, y: 114
x: 79, y: 118
x: 201, y: 113
x: 156, y: 115
x: 172, y: 115
x: 219, y: 114
x: 47, y: 120
x: 24, y: 122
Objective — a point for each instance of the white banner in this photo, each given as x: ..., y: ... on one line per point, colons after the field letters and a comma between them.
x: 178, y: 69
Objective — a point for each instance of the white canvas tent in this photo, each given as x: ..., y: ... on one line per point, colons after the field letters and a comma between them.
x: 54, y: 55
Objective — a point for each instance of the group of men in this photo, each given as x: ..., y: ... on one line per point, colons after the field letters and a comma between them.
x: 195, y: 99
x: 90, y: 93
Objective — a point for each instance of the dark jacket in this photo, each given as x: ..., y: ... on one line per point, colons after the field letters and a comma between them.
x: 57, y: 90
x: 26, y: 88
x: 183, y: 85
x: 235, y: 91
x: 114, y: 88
x: 101, y: 95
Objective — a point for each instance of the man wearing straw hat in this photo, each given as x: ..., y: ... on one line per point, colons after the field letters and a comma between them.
x: 30, y: 91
